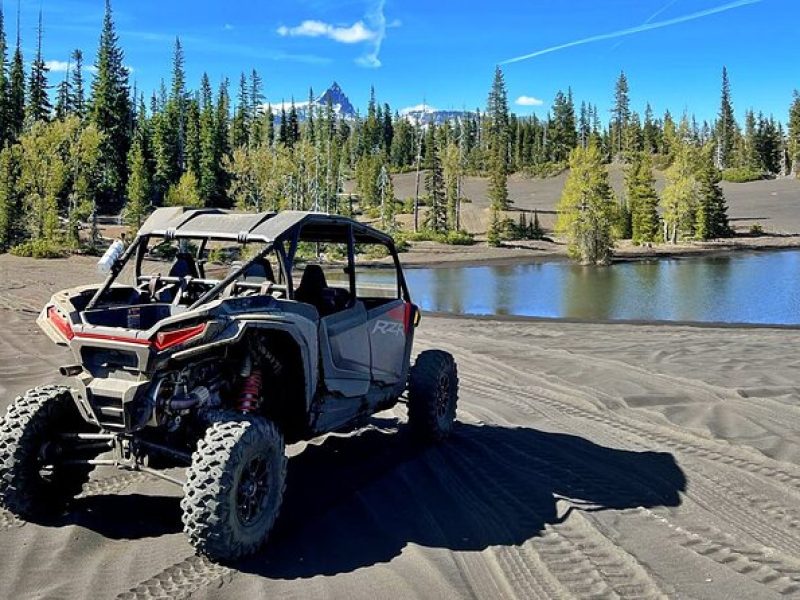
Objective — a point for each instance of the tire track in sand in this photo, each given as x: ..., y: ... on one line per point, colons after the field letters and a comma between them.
x: 578, y: 557
x: 179, y: 580
x: 766, y: 518
x: 776, y: 570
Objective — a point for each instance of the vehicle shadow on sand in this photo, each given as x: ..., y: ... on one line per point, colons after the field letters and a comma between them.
x: 358, y: 500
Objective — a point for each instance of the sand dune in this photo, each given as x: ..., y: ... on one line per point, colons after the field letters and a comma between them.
x: 613, y: 461
x: 771, y: 203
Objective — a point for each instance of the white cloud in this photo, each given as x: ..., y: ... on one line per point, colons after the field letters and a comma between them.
x: 355, y: 33
x: 62, y: 66
x: 57, y: 66
x: 228, y: 27
x: 528, y: 101
x: 370, y: 30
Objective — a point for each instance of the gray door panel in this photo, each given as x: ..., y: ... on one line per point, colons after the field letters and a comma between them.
x: 345, y: 350
x: 387, y: 337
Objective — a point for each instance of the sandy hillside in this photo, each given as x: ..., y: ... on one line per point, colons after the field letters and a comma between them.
x: 772, y: 203
x: 608, y: 461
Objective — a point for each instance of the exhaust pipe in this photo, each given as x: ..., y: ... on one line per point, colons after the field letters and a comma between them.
x: 70, y: 370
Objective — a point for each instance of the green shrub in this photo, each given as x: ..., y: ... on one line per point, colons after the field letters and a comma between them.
x: 38, y: 249
x: 741, y: 175
x: 453, y: 238
x: 756, y: 229
x: 459, y: 238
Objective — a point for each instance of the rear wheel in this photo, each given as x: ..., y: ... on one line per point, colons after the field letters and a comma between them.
x: 234, y: 487
x: 33, y: 483
x: 433, y: 395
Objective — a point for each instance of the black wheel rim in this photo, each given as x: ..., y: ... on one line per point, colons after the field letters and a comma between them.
x: 252, y: 491
x: 443, y: 396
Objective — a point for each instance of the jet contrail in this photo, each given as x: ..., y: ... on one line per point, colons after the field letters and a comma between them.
x: 650, y: 19
x: 637, y: 29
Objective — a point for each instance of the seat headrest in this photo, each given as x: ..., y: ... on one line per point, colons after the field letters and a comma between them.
x: 258, y: 272
x: 184, y: 265
x: 313, y: 280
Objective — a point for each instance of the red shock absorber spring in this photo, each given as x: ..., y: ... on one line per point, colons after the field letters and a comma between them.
x: 250, y: 396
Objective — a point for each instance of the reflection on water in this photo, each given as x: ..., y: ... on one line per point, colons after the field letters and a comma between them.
x: 745, y: 288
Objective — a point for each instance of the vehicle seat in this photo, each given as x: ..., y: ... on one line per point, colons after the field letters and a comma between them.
x: 184, y: 265
x: 314, y: 290
x: 258, y: 272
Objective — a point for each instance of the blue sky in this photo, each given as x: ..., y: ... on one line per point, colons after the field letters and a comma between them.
x: 444, y: 52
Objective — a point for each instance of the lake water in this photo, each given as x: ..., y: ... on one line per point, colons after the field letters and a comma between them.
x: 758, y: 287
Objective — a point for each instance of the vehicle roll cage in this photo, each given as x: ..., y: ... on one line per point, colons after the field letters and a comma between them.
x: 354, y: 233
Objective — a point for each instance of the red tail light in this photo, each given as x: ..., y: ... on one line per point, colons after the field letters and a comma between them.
x: 411, y: 316
x: 167, y: 339
x: 60, y: 322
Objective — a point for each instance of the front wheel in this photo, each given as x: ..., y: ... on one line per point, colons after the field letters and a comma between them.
x: 234, y: 487
x: 34, y: 481
x: 433, y: 395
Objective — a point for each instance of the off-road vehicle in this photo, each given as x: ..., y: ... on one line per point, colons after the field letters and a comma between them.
x: 217, y: 373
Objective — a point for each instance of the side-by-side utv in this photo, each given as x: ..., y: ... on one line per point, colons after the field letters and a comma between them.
x: 179, y: 367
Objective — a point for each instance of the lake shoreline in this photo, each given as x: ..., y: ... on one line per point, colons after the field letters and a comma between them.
x: 425, y: 255
x: 489, y: 319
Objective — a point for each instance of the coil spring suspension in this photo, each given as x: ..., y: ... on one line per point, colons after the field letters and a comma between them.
x: 250, y: 396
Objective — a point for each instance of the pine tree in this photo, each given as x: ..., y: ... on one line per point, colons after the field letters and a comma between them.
x: 536, y: 231
x: 386, y: 187
x: 269, y: 123
x: 750, y: 158
x: 584, y: 126
x: 64, y: 96
x: 16, y: 102
x: 10, y: 208
x: 177, y: 113
x: 679, y: 199
x: 434, y: 185
x: 139, y: 188
x: 497, y: 112
x: 222, y: 131
x: 239, y: 126
x: 711, y: 216
x: 587, y: 209
x: 452, y: 171
x: 185, y: 193
x: 39, y: 107
x: 726, y: 125
x: 621, y: 114
x: 5, y: 135
x: 77, y: 101
x: 563, y: 133
x: 293, y: 126
x: 193, y: 145
x: 111, y: 109
x: 283, y: 130
x: 209, y: 151
x: 794, y: 134
x: 255, y: 105
x: 650, y: 132
x: 640, y: 188
x: 387, y: 129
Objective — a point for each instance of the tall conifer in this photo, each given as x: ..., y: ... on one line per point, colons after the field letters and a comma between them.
x: 111, y: 108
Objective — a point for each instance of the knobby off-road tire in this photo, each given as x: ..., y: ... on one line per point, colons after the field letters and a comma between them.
x: 433, y: 395
x: 27, y: 435
x: 234, y: 487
